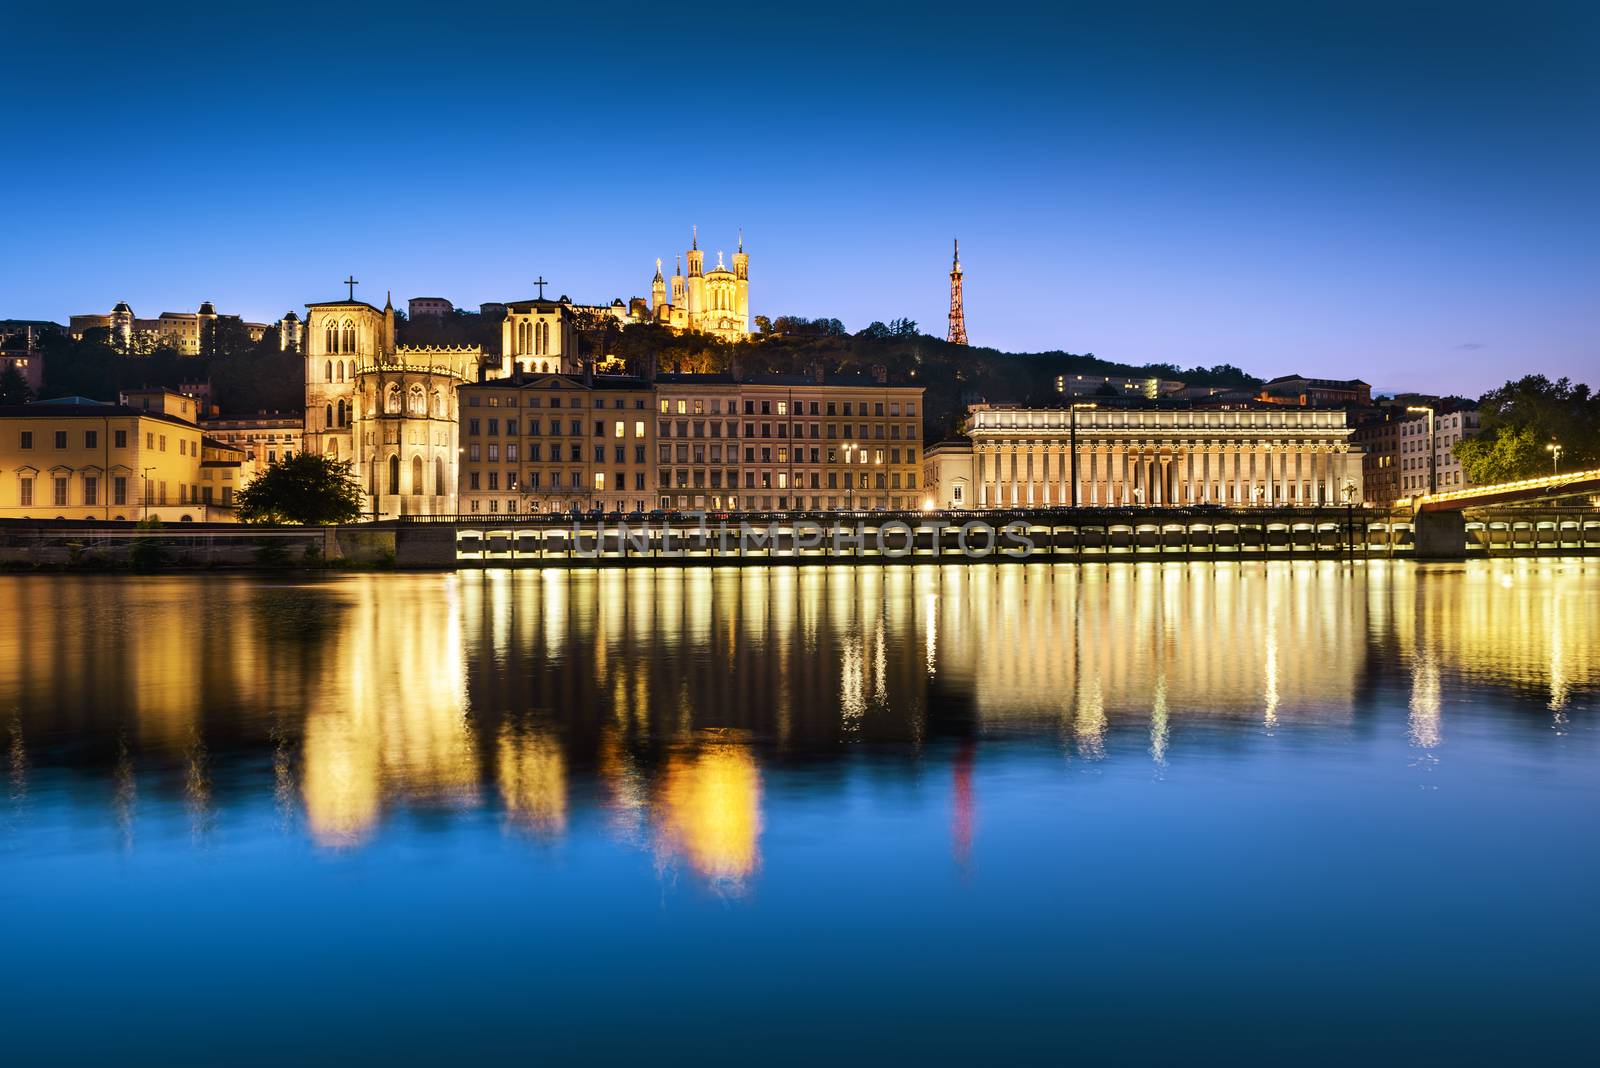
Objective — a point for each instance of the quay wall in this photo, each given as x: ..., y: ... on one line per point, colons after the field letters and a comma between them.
x: 1059, y: 535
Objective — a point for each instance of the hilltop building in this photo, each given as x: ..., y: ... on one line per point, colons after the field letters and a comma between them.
x: 715, y: 302
x: 438, y: 307
x: 187, y: 332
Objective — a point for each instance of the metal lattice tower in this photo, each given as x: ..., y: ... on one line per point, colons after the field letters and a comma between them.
x: 958, y: 318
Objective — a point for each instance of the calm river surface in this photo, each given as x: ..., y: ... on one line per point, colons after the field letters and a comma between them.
x: 1171, y: 812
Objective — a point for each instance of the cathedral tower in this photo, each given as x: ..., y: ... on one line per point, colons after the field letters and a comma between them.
x: 741, y: 275
x: 697, y: 279
x: 658, y: 289
x: 339, y: 337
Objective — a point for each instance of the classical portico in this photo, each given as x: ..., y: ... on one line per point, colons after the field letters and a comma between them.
x: 1023, y: 457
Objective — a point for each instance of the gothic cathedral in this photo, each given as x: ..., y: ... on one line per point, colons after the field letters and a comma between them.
x: 391, y: 411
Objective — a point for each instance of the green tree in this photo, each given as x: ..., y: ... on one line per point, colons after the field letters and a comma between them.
x: 1521, y: 419
x: 14, y: 386
x: 305, y: 488
x: 1503, y: 456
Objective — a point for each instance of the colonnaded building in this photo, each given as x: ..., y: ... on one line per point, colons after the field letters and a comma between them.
x: 1028, y: 457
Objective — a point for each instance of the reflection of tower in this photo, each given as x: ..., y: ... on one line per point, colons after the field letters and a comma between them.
x: 961, y: 821
x: 958, y: 319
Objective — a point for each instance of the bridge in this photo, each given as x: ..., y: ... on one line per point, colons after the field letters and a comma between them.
x: 1527, y: 490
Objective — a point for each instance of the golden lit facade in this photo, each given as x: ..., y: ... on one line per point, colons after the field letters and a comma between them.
x: 78, y: 459
x: 715, y: 302
x: 782, y: 442
x: 554, y: 444
x: 541, y: 336
x: 1171, y: 458
x: 391, y: 411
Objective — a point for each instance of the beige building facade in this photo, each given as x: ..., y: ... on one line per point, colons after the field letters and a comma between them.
x: 787, y: 442
x: 81, y: 459
x: 556, y: 443
x: 1023, y: 458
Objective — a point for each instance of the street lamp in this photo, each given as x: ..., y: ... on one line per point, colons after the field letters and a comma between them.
x: 849, y: 479
x: 144, y: 492
x: 1555, y: 457
x: 1429, y: 412
x: 1072, y: 439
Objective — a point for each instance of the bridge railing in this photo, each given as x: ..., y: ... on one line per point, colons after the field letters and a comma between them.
x: 1571, y: 479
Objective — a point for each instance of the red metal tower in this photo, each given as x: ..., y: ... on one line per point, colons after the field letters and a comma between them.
x: 958, y: 318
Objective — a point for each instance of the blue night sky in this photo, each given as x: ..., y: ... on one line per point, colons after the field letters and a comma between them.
x: 1400, y: 192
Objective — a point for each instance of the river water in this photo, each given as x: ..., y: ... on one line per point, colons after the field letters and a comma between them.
x: 1308, y: 811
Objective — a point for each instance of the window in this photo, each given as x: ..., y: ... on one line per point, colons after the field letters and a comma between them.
x: 119, y: 439
x: 61, y: 439
x: 394, y: 469
x: 91, y: 439
x: 119, y: 490
x: 91, y: 490
x: 27, y: 439
x: 25, y: 491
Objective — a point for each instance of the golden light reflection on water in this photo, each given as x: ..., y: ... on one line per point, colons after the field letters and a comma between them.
x: 512, y: 693
x: 532, y: 773
x: 708, y: 812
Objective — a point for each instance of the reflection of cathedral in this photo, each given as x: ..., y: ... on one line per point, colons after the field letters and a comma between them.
x: 713, y: 302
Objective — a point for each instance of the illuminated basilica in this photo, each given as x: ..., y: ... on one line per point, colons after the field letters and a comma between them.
x: 715, y: 302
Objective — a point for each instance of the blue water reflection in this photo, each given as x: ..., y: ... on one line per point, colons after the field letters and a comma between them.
x: 1138, y: 812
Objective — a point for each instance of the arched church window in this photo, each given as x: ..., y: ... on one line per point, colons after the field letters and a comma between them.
x: 342, y: 414
x: 331, y: 338
x: 416, y: 475
x: 341, y: 370
x: 394, y: 474
x: 391, y: 399
x: 416, y: 401
x: 438, y: 475
x: 327, y: 372
x: 349, y: 336
x: 329, y: 421
x: 437, y: 407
